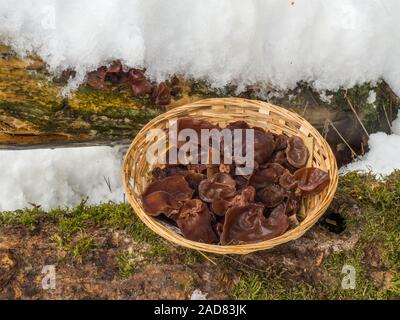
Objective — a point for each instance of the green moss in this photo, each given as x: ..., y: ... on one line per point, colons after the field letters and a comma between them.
x: 74, y: 226
x: 84, y: 245
x: 358, y: 96
x: 83, y: 218
x: 374, y: 115
x: 124, y: 263
x: 380, y: 200
x: 377, y: 223
x: 28, y: 217
x: 267, y: 286
x: 33, y: 98
x: 364, y: 287
x: 89, y: 99
x: 192, y: 257
x: 80, y: 246
x: 112, y: 123
x: 249, y: 287
x: 380, y: 231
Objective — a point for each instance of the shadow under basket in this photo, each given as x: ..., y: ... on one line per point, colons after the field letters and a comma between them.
x: 137, y: 171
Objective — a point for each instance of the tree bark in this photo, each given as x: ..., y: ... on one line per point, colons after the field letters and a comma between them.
x: 33, y: 114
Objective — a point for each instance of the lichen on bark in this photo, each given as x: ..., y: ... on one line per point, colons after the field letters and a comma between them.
x: 32, y: 110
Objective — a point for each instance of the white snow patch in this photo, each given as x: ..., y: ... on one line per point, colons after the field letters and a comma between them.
x: 371, y: 97
x: 327, y: 43
x: 327, y: 98
x: 384, y: 154
x: 60, y: 177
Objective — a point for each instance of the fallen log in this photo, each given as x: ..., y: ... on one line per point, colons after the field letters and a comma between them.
x: 32, y: 111
x: 33, y: 114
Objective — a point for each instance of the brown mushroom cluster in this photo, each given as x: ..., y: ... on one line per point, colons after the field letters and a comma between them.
x: 209, y: 203
x: 104, y: 77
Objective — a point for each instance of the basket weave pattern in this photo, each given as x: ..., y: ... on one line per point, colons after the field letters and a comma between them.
x: 136, y: 170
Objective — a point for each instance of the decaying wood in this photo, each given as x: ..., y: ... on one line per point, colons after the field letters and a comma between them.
x: 34, y: 114
x: 32, y: 110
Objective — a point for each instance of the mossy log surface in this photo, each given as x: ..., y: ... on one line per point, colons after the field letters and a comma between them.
x: 34, y: 114
x: 32, y: 110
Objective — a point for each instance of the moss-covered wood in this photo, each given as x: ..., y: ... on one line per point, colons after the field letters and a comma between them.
x: 33, y: 112
x: 32, y: 109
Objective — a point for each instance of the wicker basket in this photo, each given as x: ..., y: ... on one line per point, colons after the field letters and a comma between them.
x: 223, y: 111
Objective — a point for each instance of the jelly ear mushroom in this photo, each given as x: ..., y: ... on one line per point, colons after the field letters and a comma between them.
x: 264, y: 145
x: 115, y: 67
x: 296, y: 152
x: 139, y: 84
x: 175, y: 170
x: 219, y: 227
x: 162, y: 94
x: 238, y: 125
x: 247, y: 224
x: 166, y: 195
x: 195, y: 124
x: 281, y: 142
x: 263, y: 142
x: 311, y: 180
x: 288, y: 181
x: 278, y: 220
x: 242, y: 198
x: 261, y: 179
x: 292, y: 203
x: 193, y: 178
x: 197, y: 167
x: 194, y: 221
x: 276, y: 167
x: 224, y: 179
x: 220, y: 206
x: 96, y: 79
x: 175, y: 185
x: 245, y: 196
x: 271, y: 196
x: 219, y: 186
x: 280, y: 157
x: 114, y: 71
x: 268, y: 175
x: 159, y: 202
x: 241, y: 181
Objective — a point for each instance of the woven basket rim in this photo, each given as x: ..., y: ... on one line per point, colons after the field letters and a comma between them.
x: 172, y: 236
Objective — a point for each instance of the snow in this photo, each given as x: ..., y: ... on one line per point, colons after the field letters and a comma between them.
x: 371, y: 97
x: 330, y: 44
x: 384, y: 156
x: 327, y: 98
x: 60, y: 177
